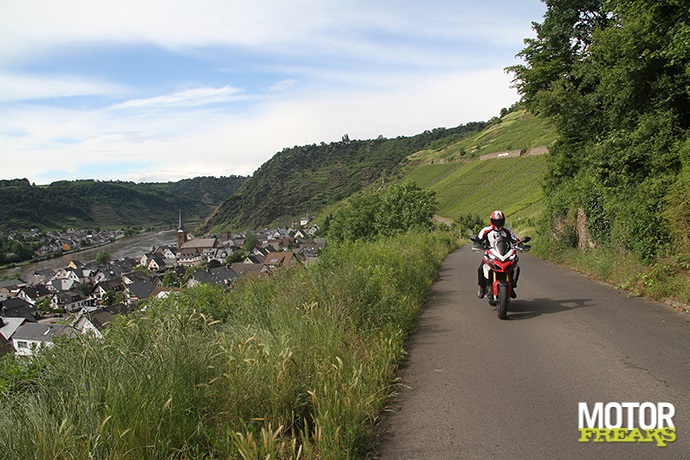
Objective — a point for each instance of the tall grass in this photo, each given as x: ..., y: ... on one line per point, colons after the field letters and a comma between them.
x: 295, y: 366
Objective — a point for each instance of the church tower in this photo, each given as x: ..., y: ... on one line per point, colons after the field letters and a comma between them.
x: 181, y: 234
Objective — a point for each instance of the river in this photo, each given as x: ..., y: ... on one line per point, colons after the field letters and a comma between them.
x: 130, y: 246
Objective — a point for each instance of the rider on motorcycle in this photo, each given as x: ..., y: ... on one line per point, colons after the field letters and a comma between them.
x: 486, y: 237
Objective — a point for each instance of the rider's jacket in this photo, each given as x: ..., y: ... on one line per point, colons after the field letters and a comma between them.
x: 489, y: 235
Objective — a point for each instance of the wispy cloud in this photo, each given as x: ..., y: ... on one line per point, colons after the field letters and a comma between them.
x: 186, y: 98
x: 282, y: 85
x: 24, y: 87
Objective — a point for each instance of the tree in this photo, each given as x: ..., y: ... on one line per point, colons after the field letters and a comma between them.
x: 400, y: 209
x: 251, y: 241
x: 406, y: 207
x: 103, y: 257
x: 613, y: 77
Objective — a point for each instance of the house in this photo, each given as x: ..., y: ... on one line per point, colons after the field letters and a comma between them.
x: 31, y: 336
x: 93, y: 323
x: 249, y: 269
x: 191, y: 252
x: 219, y: 254
x: 33, y: 294
x: 74, y: 274
x: 20, y: 308
x: 138, y: 276
x: 189, y: 257
x: 75, y: 265
x: 114, y: 286
x: 154, y: 261
x: 98, y: 274
x: 41, y: 276
x: 11, y: 287
x: 71, y: 301
x: 139, y: 290
x: 219, y: 275
x: 117, y: 309
x: 8, y: 326
x: 301, y: 234
x: 168, y: 251
x: 261, y: 252
x: 254, y: 259
x: 61, y: 284
x: 280, y: 259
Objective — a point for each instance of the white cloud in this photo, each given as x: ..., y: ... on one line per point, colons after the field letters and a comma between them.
x: 282, y: 85
x: 185, y: 98
x: 21, y: 87
x: 296, y: 25
x: 203, y: 141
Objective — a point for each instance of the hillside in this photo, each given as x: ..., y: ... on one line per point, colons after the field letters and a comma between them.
x: 513, y: 185
x: 314, y: 178
x: 90, y: 204
x: 308, y: 178
x: 517, y: 130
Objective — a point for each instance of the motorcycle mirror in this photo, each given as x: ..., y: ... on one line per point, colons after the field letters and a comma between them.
x: 474, y: 239
x: 526, y: 239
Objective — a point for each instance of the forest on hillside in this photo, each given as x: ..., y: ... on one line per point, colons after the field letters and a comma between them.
x: 307, y: 178
x: 613, y: 77
x: 87, y: 204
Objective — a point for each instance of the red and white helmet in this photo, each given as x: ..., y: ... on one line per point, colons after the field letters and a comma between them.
x: 497, y: 220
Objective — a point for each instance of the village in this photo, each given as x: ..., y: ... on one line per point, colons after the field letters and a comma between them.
x: 83, y: 298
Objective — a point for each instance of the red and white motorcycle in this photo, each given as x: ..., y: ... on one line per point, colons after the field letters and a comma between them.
x: 501, y: 270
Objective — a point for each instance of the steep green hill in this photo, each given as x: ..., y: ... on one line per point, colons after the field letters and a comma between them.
x: 314, y: 178
x: 308, y: 178
x: 477, y: 187
x: 517, y: 130
x: 89, y: 203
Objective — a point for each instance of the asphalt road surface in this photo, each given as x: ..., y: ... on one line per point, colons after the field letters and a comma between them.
x: 476, y: 387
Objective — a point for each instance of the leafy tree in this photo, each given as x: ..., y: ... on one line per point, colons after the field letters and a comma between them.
x: 357, y: 221
x: 613, y: 77
x: 103, y: 257
x: 406, y: 207
x: 400, y: 209
x: 251, y: 241
x: 236, y: 256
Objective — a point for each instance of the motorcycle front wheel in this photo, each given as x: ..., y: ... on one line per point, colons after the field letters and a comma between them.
x: 502, y: 309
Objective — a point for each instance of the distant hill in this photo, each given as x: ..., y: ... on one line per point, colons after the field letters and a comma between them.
x: 307, y: 178
x: 89, y: 203
x: 311, y: 178
x: 315, y: 178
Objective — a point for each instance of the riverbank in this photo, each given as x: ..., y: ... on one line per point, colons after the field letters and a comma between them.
x: 129, y: 246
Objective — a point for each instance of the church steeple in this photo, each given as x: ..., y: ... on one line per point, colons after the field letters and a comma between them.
x: 181, y: 234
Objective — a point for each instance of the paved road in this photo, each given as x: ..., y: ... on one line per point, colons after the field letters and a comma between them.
x: 481, y: 388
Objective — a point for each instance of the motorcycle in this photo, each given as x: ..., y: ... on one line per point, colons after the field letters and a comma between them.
x: 500, y: 269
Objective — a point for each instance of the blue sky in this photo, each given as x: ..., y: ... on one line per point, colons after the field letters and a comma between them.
x: 155, y: 91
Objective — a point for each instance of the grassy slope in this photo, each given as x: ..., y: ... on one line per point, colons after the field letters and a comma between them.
x: 517, y: 130
x: 466, y: 185
x: 471, y: 186
x: 478, y: 187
